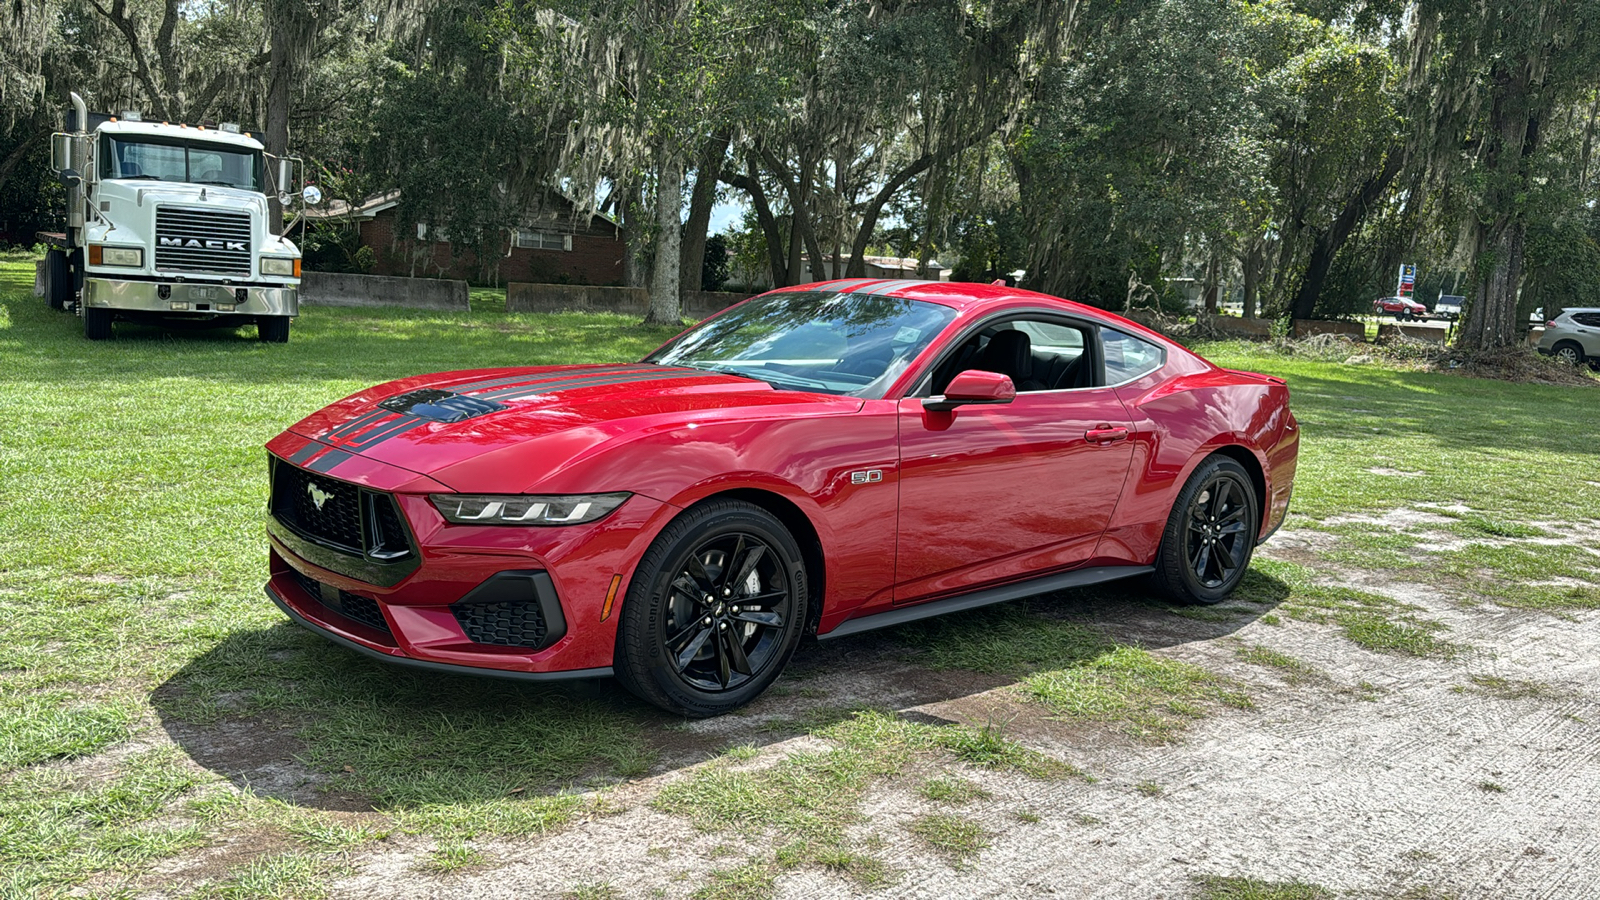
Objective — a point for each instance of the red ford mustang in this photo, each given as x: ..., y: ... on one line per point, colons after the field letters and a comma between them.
x: 823, y: 459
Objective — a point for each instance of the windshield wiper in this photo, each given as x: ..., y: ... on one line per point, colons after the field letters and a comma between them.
x: 218, y: 183
x: 778, y: 379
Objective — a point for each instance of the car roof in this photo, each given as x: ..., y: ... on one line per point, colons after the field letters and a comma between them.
x: 961, y: 295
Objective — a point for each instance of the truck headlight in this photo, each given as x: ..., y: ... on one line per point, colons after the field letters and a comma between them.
x: 525, y: 509
x: 115, y: 256
x: 273, y: 265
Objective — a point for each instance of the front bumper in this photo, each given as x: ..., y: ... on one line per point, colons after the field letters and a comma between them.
x: 330, y: 634
x: 448, y: 605
x: 190, y: 297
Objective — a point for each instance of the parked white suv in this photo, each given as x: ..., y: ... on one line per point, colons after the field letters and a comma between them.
x: 1574, y: 336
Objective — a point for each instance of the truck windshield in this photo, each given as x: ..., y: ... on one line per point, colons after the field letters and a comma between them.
x: 197, y: 163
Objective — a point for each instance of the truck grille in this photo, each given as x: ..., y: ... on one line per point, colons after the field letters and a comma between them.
x: 202, y: 240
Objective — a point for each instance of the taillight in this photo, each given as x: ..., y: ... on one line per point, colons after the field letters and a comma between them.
x: 1550, y: 324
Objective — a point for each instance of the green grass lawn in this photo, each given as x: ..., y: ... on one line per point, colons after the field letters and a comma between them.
x: 132, y: 553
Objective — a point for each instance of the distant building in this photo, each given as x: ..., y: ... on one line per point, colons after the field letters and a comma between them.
x: 760, y: 278
x: 552, y: 243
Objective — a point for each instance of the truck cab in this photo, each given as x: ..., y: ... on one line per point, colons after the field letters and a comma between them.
x: 170, y: 222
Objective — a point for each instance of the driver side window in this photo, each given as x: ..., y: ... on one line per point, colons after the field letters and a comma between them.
x: 1036, y: 354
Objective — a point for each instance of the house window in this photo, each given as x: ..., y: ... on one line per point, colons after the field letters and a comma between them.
x: 528, y: 239
x: 426, y: 232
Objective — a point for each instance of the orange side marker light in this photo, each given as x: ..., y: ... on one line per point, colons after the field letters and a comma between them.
x: 611, y: 597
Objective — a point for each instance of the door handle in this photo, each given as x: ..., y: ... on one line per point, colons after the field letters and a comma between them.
x: 1106, y: 434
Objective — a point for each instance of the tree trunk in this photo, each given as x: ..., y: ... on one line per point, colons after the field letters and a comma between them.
x: 280, y: 79
x: 1330, y: 240
x: 1213, y: 281
x: 869, y: 218
x: 635, y: 270
x: 1491, y: 321
x: 664, y: 306
x: 702, y: 197
x: 19, y: 153
x: 751, y: 184
x: 1251, y: 264
x: 798, y: 187
x: 1514, y: 136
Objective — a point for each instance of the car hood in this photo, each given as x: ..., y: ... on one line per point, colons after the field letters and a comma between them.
x: 463, y: 427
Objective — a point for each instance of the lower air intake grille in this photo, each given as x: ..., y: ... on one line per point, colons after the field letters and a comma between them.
x: 352, y: 606
x: 507, y: 624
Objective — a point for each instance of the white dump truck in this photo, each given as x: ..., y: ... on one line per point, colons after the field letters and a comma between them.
x: 170, y: 222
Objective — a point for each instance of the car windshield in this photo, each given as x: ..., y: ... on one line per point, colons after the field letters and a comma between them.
x: 852, y: 344
x: 194, y: 163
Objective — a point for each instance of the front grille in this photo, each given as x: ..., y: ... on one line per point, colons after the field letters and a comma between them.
x: 507, y: 624
x: 202, y: 240
x: 352, y: 606
x: 335, y: 521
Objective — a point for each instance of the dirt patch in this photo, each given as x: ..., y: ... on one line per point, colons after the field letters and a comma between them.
x: 262, y: 754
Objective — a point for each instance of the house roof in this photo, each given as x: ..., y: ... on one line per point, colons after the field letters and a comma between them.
x: 366, y: 209
x: 370, y: 207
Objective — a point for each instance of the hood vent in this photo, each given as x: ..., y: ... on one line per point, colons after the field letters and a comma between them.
x: 440, y: 406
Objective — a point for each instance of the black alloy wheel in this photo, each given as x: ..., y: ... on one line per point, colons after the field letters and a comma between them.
x: 726, y: 612
x: 714, y: 610
x: 1210, y: 534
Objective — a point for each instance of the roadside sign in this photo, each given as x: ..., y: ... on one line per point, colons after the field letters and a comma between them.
x: 1408, y: 280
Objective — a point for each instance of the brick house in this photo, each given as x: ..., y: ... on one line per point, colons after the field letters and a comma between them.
x: 553, y: 243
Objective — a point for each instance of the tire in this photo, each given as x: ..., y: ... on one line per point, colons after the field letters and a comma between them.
x: 97, y: 324
x: 1568, y: 352
x: 57, y: 280
x: 1594, y: 363
x: 687, y: 655
x: 272, y: 329
x: 1214, y: 519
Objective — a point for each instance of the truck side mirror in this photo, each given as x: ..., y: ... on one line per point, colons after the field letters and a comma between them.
x: 60, y: 152
x: 283, y: 176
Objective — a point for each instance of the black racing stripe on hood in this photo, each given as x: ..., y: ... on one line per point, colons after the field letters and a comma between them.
x: 357, y: 424
x: 327, y: 461
x: 532, y: 390
x: 304, y: 453
x: 387, y: 431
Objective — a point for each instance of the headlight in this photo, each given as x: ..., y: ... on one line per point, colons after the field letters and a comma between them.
x: 115, y: 256
x: 271, y: 265
x: 526, y: 509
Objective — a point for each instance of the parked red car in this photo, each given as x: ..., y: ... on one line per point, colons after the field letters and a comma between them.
x: 1402, y: 308
x: 823, y: 459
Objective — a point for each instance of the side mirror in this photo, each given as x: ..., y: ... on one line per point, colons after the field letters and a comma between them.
x: 69, y: 178
x: 974, y: 386
x: 312, y: 195
x: 283, y: 175
x: 60, y: 152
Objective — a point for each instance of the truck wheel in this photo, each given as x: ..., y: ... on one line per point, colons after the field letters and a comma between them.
x: 97, y: 324
x: 272, y: 329
x: 57, y: 280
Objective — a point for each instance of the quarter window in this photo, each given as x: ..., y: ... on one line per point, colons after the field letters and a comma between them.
x: 1128, y: 357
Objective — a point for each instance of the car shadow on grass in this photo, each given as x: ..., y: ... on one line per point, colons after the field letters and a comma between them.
x: 288, y: 715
